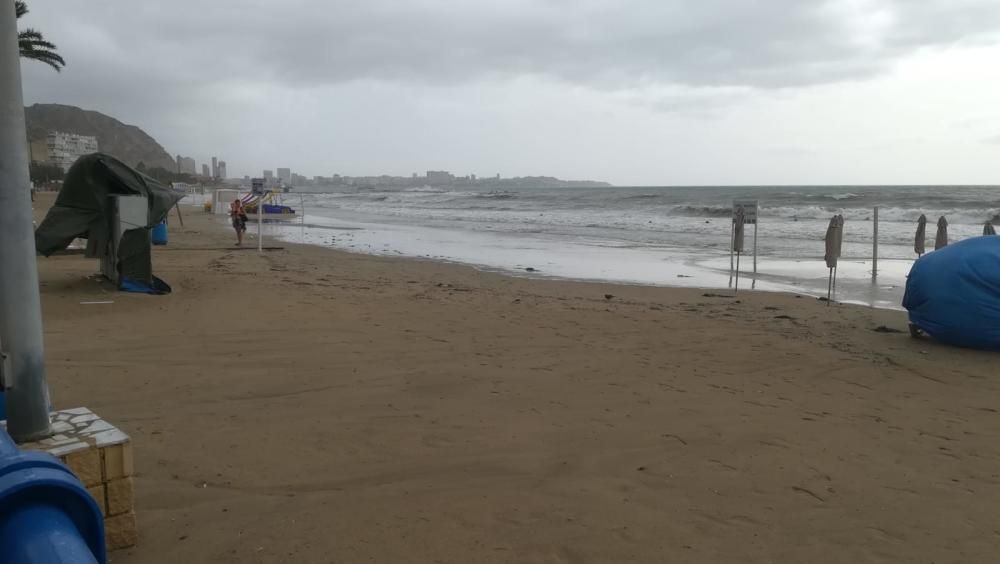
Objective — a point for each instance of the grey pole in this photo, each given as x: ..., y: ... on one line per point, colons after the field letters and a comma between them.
x: 875, y: 245
x: 20, y: 306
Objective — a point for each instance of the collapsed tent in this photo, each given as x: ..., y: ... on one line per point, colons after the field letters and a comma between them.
x: 91, y: 204
x: 953, y: 294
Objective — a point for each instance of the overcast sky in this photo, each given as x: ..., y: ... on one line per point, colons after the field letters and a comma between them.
x: 655, y: 92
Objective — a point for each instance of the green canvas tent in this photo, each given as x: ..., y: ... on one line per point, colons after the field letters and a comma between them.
x: 86, y: 208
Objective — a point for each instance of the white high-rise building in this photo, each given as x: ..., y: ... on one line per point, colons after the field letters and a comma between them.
x: 66, y: 148
x: 222, y: 170
x: 186, y: 165
x: 285, y: 175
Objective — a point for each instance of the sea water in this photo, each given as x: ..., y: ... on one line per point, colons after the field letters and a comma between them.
x: 670, y: 236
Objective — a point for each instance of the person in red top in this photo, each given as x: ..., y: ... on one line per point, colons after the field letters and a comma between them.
x: 239, y: 219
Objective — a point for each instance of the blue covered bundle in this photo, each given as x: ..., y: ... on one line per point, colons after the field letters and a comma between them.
x: 953, y: 294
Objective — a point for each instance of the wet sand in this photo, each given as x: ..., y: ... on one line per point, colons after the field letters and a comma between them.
x: 309, y: 405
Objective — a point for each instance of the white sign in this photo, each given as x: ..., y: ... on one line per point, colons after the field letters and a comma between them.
x: 257, y: 186
x: 749, y: 210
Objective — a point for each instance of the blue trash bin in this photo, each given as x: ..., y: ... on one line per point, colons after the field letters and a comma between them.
x: 160, y: 233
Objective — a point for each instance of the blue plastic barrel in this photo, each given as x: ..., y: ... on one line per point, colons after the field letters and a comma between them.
x: 45, y: 513
x: 160, y: 233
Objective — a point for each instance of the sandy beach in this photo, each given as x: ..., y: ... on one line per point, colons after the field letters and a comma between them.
x: 310, y: 405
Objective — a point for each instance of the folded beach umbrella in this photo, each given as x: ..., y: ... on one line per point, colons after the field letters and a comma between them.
x: 739, y: 221
x: 941, y: 239
x: 988, y: 229
x: 920, y: 242
x: 834, y: 243
x: 840, y: 235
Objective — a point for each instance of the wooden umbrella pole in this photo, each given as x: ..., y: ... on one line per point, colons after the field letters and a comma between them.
x: 737, y: 272
x: 829, y: 288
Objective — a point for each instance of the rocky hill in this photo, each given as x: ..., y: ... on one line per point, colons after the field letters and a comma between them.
x: 127, y: 142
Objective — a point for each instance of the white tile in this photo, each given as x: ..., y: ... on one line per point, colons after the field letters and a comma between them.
x: 68, y: 449
x: 78, y: 419
x: 62, y: 427
x: 96, y: 427
x: 110, y: 437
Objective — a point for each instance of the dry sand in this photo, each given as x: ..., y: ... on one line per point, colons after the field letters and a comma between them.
x: 309, y: 405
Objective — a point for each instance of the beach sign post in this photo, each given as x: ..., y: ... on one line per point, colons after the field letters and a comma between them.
x: 749, y: 208
x: 257, y: 189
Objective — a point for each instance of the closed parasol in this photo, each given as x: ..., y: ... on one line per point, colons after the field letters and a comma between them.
x: 739, y: 220
x: 941, y: 239
x: 834, y: 243
x: 920, y: 242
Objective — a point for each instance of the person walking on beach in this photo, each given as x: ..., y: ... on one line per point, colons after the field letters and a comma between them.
x: 239, y: 218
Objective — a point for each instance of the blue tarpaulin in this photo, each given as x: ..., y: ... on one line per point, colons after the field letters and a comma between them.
x: 157, y: 287
x: 953, y: 294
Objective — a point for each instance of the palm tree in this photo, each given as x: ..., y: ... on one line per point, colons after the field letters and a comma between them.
x: 32, y: 45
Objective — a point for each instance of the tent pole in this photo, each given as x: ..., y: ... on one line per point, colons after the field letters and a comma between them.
x: 27, y: 394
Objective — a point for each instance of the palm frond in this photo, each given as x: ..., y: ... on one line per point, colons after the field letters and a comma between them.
x: 32, y: 39
x: 32, y: 45
x: 47, y: 57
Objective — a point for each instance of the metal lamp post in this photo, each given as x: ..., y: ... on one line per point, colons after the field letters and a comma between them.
x: 23, y: 367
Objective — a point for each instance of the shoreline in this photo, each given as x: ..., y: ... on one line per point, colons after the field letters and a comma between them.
x: 632, y: 266
x: 312, y: 404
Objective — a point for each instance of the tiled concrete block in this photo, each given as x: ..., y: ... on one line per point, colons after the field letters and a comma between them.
x: 98, y: 493
x: 100, y: 455
x: 86, y: 464
x: 121, y: 531
x: 117, y: 461
x: 121, y: 496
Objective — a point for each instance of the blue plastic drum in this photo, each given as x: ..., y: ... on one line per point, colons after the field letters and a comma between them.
x: 160, y: 234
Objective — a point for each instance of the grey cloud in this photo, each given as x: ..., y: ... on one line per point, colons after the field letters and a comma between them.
x: 364, y: 86
x: 772, y: 44
x: 994, y: 140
